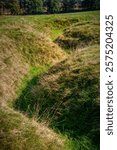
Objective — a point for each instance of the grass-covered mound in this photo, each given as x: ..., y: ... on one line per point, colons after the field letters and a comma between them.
x: 21, y: 48
x: 12, y: 69
x: 80, y: 35
x: 17, y: 132
x: 35, y: 46
x: 24, y: 52
x: 68, y: 95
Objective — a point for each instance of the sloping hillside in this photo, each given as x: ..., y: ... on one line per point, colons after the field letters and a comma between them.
x: 24, y: 53
x: 79, y: 36
x: 20, y: 48
x: 12, y: 68
x: 68, y: 95
x: 17, y: 132
x: 49, y: 94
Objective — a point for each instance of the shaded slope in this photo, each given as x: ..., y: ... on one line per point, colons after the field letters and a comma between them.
x: 79, y: 35
x: 68, y: 96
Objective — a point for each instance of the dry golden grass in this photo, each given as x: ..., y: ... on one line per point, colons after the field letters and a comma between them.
x: 22, y: 47
x: 12, y: 68
x: 17, y: 132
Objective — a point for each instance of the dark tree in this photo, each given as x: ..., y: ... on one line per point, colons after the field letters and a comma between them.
x: 91, y: 4
x: 33, y: 6
x: 14, y: 6
x: 68, y: 5
x: 2, y: 6
x: 22, y: 5
x: 53, y: 6
x: 97, y: 4
x: 11, y: 6
x: 50, y: 6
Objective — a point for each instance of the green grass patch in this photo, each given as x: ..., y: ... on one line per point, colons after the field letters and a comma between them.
x: 33, y: 72
x: 50, y: 22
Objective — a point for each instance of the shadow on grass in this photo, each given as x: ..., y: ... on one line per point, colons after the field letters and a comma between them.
x: 75, y: 114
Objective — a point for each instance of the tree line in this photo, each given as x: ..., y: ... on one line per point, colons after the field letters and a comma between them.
x: 16, y: 7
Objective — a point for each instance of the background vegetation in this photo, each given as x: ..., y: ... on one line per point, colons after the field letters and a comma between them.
x: 46, y: 6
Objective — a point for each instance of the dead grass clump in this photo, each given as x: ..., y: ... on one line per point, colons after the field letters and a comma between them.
x: 18, y: 132
x: 13, y: 68
x: 34, y: 45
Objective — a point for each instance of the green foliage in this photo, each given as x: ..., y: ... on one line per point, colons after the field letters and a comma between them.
x: 91, y: 4
x: 53, y: 6
x: 16, y: 7
x: 68, y: 5
x: 83, y: 143
x: 31, y: 76
x: 34, y: 6
x: 12, y: 6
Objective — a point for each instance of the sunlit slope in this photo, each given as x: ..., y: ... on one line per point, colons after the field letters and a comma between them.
x: 23, y: 47
x: 12, y: 68
x: 24, y: 51
x: 34, y: 46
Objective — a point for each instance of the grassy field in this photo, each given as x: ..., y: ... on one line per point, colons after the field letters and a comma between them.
x: 49, y: 87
